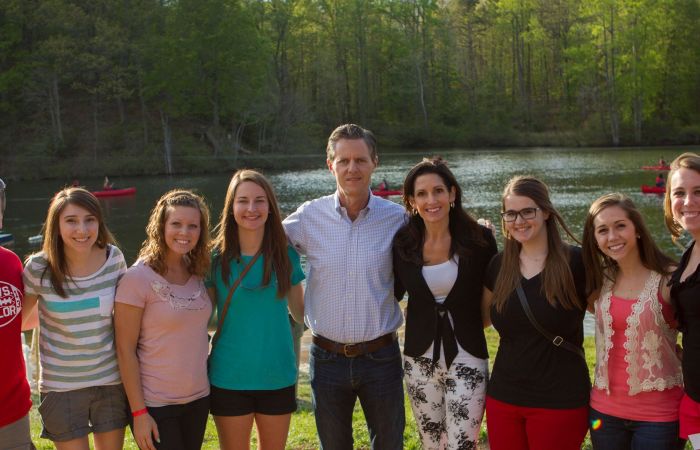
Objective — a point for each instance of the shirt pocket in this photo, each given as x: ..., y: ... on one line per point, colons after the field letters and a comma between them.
x: 106, y: 305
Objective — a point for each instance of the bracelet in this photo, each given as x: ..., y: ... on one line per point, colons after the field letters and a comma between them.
x: 140, y: 412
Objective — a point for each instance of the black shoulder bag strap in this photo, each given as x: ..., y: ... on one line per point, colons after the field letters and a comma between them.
x: 556, y: 340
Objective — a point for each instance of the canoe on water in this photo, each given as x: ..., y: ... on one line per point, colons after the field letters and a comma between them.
x: 6, y: 238
x: 115, y: 192
x: 386, y: 192
x: 657, y: 168
x: 653, y: 189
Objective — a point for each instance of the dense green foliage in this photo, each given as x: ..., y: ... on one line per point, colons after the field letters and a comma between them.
x: 140, y: 86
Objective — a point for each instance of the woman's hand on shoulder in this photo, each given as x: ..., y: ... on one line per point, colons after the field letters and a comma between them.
x: 487, y: 224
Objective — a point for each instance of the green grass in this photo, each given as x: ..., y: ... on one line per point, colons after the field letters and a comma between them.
x: 302, y: 433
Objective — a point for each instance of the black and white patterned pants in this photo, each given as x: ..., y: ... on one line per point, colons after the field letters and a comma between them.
x: 448, y: 404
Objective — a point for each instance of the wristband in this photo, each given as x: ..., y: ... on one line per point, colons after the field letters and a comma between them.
x: 140, y: 412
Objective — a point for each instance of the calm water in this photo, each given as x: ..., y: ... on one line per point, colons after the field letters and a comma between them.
x: 576, y: 177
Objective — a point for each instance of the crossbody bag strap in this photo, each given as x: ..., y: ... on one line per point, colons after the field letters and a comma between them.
x: 220, y: 324
x: 556, y: 340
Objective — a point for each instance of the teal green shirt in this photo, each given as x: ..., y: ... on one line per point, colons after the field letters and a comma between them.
x: 255, y: 350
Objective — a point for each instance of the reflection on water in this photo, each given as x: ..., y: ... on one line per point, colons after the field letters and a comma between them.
x: 576, y: 177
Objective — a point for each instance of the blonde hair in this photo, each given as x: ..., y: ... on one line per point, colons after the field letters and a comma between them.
x: 154, y: 249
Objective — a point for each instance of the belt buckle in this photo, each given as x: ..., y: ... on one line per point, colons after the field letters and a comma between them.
x: 350, y: 350
x: 557, y: 340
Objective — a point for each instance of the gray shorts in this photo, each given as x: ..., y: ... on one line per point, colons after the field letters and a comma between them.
x: 74, y: 414
x: 15, y: 436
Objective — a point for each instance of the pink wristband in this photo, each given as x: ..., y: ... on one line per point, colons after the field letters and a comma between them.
x: 140, y: 412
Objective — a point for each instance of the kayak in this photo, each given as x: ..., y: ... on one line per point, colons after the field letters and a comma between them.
x: 386, y: 192
x: 115, y: 192
x: 36, y: 239
x: 6, y: 238
x: 657, y: 168
x: 653, y: 189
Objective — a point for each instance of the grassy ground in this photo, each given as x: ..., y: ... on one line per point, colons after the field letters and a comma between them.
x: 302, y: 434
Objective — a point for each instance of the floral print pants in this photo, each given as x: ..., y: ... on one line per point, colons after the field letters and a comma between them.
x: 448, y: 404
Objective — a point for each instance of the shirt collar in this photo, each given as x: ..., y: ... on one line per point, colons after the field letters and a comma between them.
x: 370, y: 204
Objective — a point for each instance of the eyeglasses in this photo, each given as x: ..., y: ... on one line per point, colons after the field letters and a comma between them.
x: 525, y: 213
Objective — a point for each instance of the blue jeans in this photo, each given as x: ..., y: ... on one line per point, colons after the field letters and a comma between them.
x: 614, y: 433
x: 376, y: 378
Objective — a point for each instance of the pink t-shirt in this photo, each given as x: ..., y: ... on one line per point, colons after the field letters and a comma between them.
x: 173, y: 343
x: 652, y: 406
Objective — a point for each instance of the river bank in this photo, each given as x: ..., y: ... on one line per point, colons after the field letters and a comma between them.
x: 192, y: 159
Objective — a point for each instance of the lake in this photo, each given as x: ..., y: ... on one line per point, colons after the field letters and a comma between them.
x: 576, y: 177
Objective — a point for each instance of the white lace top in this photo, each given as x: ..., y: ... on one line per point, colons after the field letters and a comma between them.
x: 650, y: 343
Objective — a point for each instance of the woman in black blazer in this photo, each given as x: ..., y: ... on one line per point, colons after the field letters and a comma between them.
x: 440, y: 257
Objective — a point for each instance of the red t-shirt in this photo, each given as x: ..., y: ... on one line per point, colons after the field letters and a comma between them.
x: 14, y: 389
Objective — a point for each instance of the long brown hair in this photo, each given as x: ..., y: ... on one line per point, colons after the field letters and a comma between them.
x: 466, y: 233
x: 557, y: 279
x: 274, y: 246
x: 53, y: 247
x: 600, y: 266
x: 687, y: 160
x: 154, y: 249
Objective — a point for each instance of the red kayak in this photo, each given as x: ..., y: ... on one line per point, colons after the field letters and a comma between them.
x: 386, y: 192
x: 657, y: 168
x: 115, y: 192
x: 653, y: 189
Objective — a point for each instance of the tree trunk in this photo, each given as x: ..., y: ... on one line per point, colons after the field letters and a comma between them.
x: 215, y: 136
x: 95, y: 126
x: 167, y: 142
x: 609, y: 60
x: 144, y: 113
x: 421, y: 93
x: 55, y: 112
x: 637, y: 100
x: 120, y: 110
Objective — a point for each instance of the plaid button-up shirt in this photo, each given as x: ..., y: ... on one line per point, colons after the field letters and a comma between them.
x: 350, y: 282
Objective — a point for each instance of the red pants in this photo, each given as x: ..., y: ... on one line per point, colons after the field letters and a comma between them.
x: 512, y: 427
x: 689, y: 417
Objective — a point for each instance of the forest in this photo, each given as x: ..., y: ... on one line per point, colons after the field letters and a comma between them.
x: 173, y: 86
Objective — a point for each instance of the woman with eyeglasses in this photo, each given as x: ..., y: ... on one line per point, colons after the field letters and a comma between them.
x: 537, y: 396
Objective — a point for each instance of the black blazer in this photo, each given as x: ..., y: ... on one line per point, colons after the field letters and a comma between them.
x: 424, y: 324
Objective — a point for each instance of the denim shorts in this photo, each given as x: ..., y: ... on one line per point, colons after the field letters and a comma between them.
x: 229, y: 402
x: 73, y: 414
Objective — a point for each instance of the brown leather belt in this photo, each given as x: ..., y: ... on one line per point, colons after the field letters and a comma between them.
x: 353, y: 350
